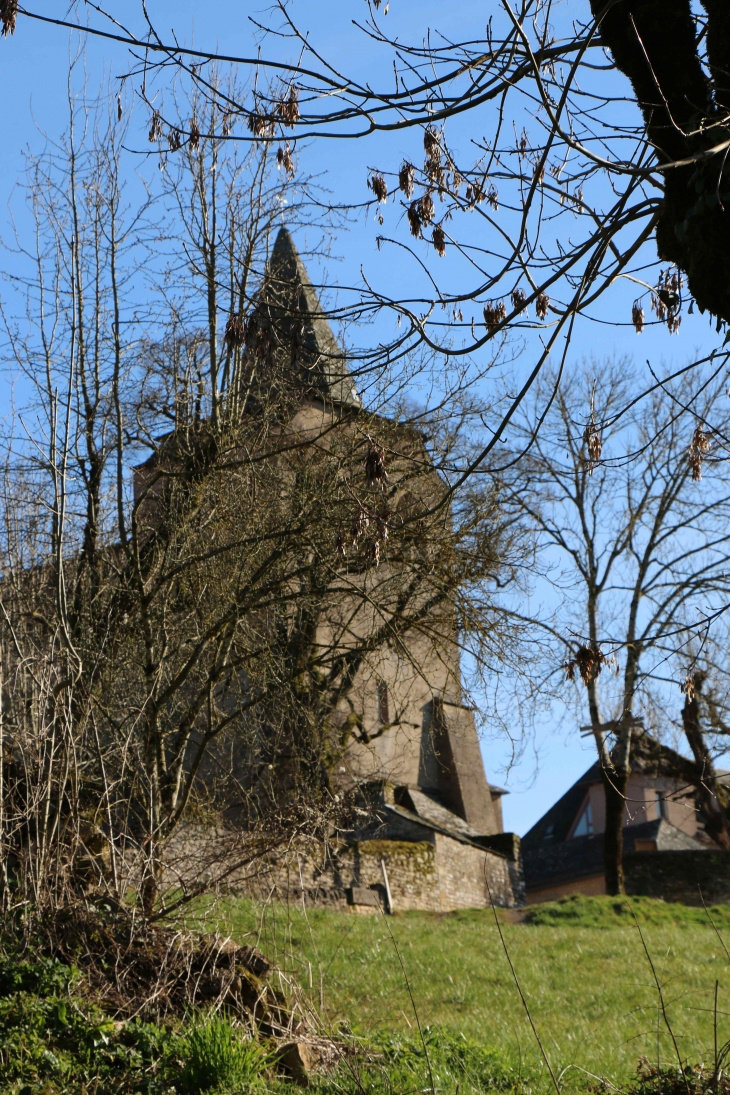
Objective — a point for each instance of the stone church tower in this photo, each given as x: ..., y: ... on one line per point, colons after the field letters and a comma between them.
x: 428, y: 824
x: 431, y: 832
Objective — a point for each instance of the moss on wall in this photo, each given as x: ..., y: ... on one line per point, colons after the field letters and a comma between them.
x: 390, y: 848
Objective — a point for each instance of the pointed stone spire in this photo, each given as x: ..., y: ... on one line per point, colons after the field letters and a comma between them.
x: 289, y: 326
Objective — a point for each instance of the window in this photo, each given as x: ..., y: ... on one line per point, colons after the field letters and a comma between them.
x: 383, y: 704
x: 585, y: 822
x: 661, y: 805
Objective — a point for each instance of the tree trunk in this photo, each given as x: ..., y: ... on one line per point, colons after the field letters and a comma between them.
x: 614, y: 789
x: 149, y: 891
x: 713, y: 797
x: 654, y: 43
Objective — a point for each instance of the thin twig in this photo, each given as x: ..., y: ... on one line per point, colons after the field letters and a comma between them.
x: 661, y: 996
x: 714, y: 925
x: 413, y: 1004
x: 545, y: 1057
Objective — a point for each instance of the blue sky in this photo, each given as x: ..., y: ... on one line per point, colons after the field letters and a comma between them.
x: 33, y: 75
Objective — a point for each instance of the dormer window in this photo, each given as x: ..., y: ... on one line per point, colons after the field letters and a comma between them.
x: 383, y: 704
x: 584, y: 825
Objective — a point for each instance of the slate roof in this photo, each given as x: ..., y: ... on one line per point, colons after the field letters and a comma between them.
x: 427, y: 807
x: 399, y: 822
x: 556, y: 823
x: 287, y: 326
x: 407, y: 812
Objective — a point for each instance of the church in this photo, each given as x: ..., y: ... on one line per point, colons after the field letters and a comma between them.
x: 426, y: 831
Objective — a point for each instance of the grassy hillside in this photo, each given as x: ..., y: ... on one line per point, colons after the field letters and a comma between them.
x: 581, y: 965
x: 418, y: 1004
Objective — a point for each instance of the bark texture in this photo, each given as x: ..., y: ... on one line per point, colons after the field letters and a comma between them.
x: 614, y: 789
x: 654, y: 43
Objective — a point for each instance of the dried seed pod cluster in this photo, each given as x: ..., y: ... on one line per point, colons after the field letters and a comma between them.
x: 375, y: 470
x: 284, y: 160
x: 359, y: 525
x: 235, y: 333
x: 260, y: 124
x: 518, y: 299
x: 494, y: 314
x: 361, y: 522
x: 174, y: 139
x: 439, y: 240
x: 379, y: 187
x: 433, y: 166
x: 475, y: 193
x: 637, y: 316
x: 194, y: 135
x: 431, y: 141
x: 698, y: 450
x: 666, y: 299
x: 687, y: 687
x: 155, y: 133
x: 588, y: 660
x: 593, y: 445
x: 8, y: 15
x: 420, y: 212
x: 287, y: 108
x: 541, y: 305
x: 407, y: 178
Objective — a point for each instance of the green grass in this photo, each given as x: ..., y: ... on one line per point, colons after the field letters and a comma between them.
x: 581, y: 965
x: 580, y: 962
x: 607, y: 912
x: 218, y: 1058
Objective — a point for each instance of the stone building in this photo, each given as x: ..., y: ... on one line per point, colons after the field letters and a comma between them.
x: 432, y: 841
x: 429, y: 830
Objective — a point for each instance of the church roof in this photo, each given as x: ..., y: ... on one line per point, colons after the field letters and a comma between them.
x: 288, y: 324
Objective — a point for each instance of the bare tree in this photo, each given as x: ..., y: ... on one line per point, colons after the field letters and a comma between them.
x: 531, y: 195
x: 565, y: 186
x: 196, y: 644
x: 631, y: 510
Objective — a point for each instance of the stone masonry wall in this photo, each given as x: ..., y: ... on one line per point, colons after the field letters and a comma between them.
x: 438, y: 875
x: 679, y: 876
x: 411, y: 867
x: 467, y: 875
x: 437, y: 872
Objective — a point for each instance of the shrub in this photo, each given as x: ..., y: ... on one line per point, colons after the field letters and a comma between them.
x: 688, y: 1080
x: 55, y: 1041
